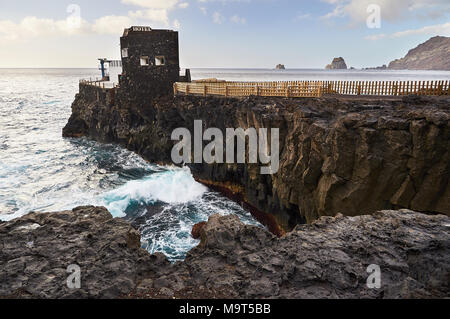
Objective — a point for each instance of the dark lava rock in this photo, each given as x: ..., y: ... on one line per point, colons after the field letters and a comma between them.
x: 197, y: 229
x: 36, y: 250
x: 350, y: 156
x: 327, y: 259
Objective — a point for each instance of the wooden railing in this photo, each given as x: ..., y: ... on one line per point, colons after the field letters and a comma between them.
x: 99, y: 83
x: 387, y: 88
x: 286, y: 89
x: 314, y: 88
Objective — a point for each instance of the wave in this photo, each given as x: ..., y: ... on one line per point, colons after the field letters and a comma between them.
x: 174, y: 186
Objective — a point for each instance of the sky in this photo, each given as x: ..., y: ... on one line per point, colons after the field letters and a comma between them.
x: 221, y: 33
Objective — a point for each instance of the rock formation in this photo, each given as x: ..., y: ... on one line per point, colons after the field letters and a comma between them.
x: 327, y: 259
x: 280, y: 67
x: 36, y: 250
x: 336, y: 156
x: 431, y: 55
x: 337, y: 64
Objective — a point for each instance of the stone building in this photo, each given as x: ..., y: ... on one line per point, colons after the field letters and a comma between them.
x: 150, y: 62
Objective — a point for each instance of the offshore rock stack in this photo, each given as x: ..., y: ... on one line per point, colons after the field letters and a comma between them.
x: 337, y: 64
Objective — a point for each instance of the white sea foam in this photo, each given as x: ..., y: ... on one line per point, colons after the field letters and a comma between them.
x: 174, y: 186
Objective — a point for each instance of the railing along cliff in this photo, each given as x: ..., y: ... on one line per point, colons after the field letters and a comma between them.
x: 314, y: 88
x: 286, y: 89
x: 99, y: 83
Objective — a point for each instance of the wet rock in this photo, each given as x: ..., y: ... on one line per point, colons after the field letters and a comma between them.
x: 38, y: 248
x: 327, y: 259
x: 197, y: 229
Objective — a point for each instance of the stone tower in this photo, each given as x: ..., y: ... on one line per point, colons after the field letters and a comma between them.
x: 150, y: 62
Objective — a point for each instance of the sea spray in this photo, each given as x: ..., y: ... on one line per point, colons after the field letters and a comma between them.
x: 173, y: 186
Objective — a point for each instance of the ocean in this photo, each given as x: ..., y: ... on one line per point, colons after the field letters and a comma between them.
x: 41, y: 171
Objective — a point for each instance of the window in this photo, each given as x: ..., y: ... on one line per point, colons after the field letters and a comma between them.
x: 145, y: 61
x: 160, y: 60
x: 125, y: 53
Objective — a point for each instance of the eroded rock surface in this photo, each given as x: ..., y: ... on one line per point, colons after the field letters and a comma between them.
x: 327, y: 259
x: 37, y: 249
x: 352, y: 156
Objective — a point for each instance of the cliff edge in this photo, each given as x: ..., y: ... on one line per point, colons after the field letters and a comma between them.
x: 352, y: 156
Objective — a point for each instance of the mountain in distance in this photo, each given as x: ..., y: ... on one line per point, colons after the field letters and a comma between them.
x: 434, y: 54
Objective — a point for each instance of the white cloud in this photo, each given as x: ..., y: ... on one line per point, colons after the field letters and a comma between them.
x: 111, y: 24
x: 153, y: 11
x: 432, y: 30
x: 33, y: 27
x: 218, y: 18
x: 238, y: 20
x: 439, y: 29
x: 155, y: 15
x: 204, y: 11
x: 391, y: 10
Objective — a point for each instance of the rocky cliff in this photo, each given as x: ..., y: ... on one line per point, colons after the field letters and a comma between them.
x: 337, y: 64
x: 336, y: 156
x: 327, y: 259
x: 431, y: 55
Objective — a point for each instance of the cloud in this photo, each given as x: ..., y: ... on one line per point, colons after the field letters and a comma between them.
x: 218, y: 18
x: 111, y: 24
x: 33, y: 27
x: 438, y: 29
x: 156, y: 15
x: 153, y: 11
x: 238, y: 20
x: 391, y: 10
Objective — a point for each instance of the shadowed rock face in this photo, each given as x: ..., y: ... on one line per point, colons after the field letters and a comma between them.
x: 327, y: 259
x: 351, y: 156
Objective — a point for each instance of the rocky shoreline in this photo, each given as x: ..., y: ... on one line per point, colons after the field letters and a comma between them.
x: 351, y: 156
x: 327, y: 259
